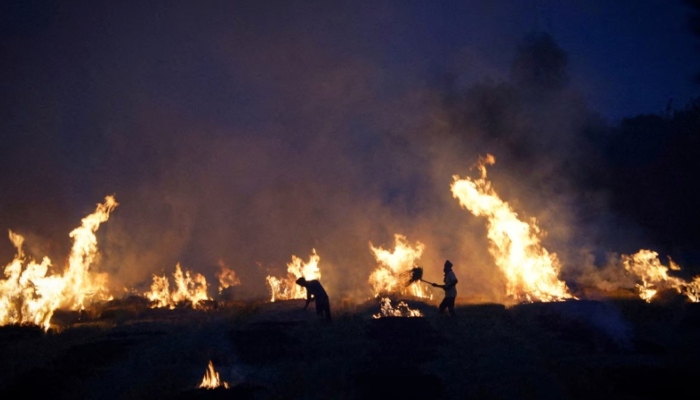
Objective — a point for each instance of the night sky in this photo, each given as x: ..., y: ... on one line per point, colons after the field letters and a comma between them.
x: 242, y: 133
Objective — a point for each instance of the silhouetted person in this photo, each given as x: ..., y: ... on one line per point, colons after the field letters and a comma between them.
x: 450, y: 289
x: 315, y: 292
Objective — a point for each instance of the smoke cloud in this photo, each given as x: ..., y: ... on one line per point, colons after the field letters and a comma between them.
x: 244, y: 134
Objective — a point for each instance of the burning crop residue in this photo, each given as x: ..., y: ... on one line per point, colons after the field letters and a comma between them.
x: 394, y: 267
x: 211, y: 379
x: 31, y: 293
x: 286, y: 288
x: 189, y: 288
x: 401, y: 310
x: 227, y: 277
x: 645, y: 264
x: 531, y: 272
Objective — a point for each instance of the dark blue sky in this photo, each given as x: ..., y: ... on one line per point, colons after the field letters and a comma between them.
x: 627, y: 57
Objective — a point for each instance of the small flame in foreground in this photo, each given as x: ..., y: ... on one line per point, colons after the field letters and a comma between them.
x: 30, y: 296
x: 531, y: 272
x: 286, y: 288
x: 401, y: 310
x: 390, y: 275
x: 646, y: 265
x: 211, y: 379
x: 188, y: 287
x: 227, y: 277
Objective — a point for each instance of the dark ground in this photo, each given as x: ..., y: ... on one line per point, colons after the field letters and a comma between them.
x: 617, y: 349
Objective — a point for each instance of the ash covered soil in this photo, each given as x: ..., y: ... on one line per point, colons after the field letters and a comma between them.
x: 622, y: 349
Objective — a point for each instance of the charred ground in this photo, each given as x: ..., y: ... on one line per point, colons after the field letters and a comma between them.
x: 623, y: 348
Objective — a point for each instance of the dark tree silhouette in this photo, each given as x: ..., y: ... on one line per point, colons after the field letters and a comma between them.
x: 694, y: 22
x: 653, y: 161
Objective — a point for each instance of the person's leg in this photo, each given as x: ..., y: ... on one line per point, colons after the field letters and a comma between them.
x: 442, y: 305
x: 328, y: 310
x: 451, y: 305
x: 323, y: 308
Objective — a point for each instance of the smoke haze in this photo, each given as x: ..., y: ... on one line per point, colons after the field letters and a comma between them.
x: 243, y: 134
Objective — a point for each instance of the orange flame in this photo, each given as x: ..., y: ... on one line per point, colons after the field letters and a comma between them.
x: 390, y: 275
x: 531, y: 272
x: 645, y: 264
x: 227, y: 277
x: 30, y: 296
x: 401, y: 310
x: 286, y: 288
x: 211, y: 379
x: 693, y: 290
x: 188, y: 288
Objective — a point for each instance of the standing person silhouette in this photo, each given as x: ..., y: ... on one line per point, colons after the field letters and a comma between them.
x: 315, y: 292
x: 450, y: 289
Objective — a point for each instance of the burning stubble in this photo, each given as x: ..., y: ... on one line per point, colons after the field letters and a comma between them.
x: 530, y: 271
x: 31, y: 292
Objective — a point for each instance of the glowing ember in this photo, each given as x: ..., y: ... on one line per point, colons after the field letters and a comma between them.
x: 30, y: 295
x: 286, y: 288
x: 645, y: 264
x: 401, y: 310
x: 393, y: 271
x: 188, y: 288
x: 211, y: 379
x: 227, y: 277
x: 531, y: 272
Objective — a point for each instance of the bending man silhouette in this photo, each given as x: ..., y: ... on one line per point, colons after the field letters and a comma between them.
x: 315, y: 292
